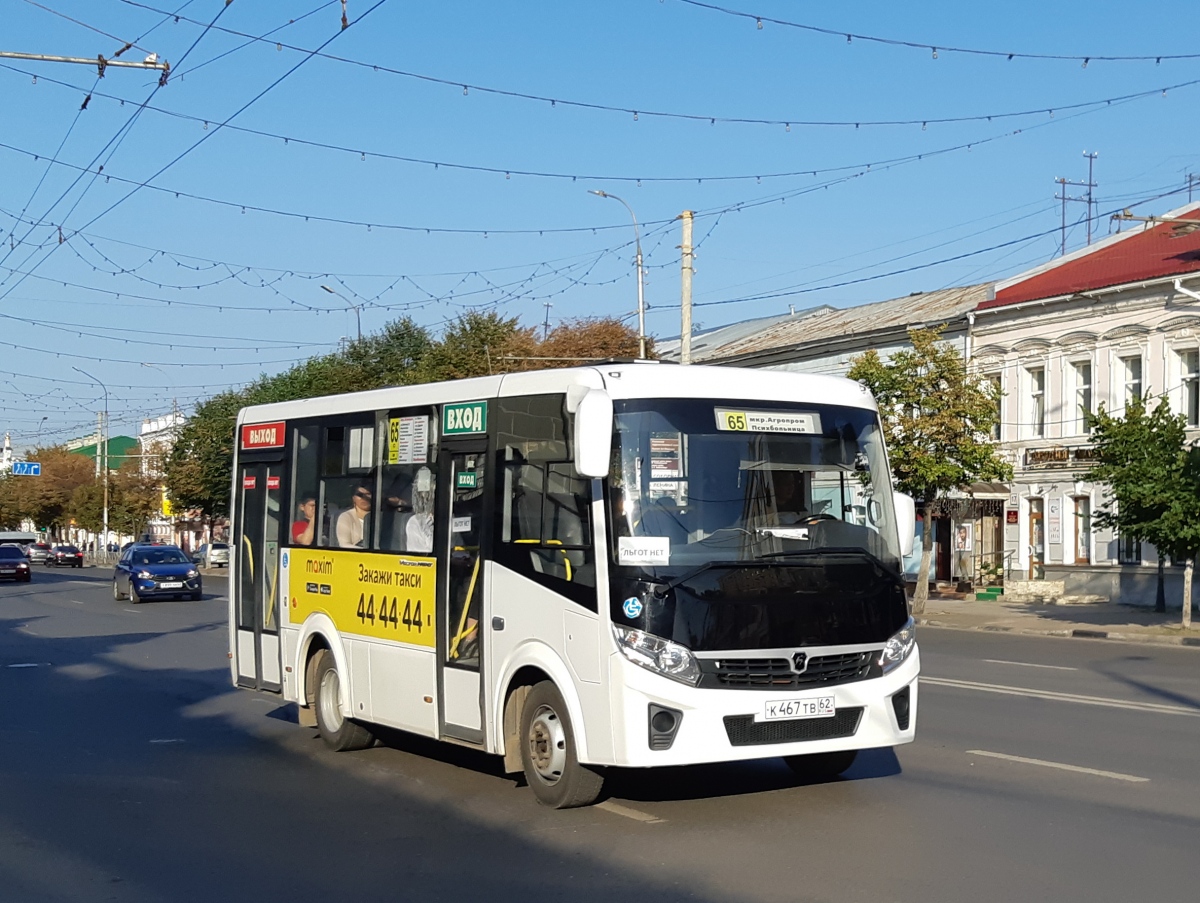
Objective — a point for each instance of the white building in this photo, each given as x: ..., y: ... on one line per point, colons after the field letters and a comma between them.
x: 1118, y: 318
x: 156, y: 438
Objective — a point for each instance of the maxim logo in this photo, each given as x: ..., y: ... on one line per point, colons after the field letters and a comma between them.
x: 800, y: 662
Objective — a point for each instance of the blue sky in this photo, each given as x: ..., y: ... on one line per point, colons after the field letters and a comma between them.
x: 437, y: 157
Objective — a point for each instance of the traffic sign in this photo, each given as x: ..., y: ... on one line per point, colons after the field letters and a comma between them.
x: 27, y: 469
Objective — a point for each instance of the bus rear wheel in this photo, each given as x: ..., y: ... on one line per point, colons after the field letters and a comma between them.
x: 822, y: 766
x: 339, y: 733
x: 548, y: 756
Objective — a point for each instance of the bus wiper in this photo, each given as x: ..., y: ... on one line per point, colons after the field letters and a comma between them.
x: 661, y: 591
x: 827, y: 550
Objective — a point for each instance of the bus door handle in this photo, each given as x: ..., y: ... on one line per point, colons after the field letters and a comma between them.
x: 497, y: 623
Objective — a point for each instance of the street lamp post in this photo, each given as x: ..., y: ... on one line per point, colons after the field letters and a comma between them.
x: 637, y: 237
x: 37, y: 440
x: 102, y: 439
x: 351, y: 305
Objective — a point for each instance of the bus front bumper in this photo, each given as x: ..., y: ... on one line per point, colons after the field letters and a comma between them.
x: 717, y: 725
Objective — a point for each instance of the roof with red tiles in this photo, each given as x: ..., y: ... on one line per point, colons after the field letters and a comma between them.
x: 1161, y: 249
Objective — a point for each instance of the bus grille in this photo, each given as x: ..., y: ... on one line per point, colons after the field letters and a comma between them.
x: 743, y: 730
x: 778, y: 673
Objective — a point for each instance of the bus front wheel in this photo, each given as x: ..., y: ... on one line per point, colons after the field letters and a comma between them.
x: 548, y: 755
x: 338, y: 732
x: 822, y: 766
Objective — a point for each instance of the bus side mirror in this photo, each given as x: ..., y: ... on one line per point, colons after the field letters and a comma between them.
x: 906, y: 522
x: 593, y: 434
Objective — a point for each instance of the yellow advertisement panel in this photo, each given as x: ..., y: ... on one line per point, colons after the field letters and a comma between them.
x: 387, y: 596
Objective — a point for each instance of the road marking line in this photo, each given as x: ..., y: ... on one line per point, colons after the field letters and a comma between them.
x: 1000, y: 661
x: 625, y: 811
x: 133, y: 611
x: 30, y: 665
x: 1156, y: 708
x: 1115, y: 775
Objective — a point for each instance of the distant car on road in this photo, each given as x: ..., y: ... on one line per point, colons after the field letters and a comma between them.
x: 213, y: 555
x: 62, y: 555
x: 146, y: 571
x: 40, y: 551
x: 14, y: 565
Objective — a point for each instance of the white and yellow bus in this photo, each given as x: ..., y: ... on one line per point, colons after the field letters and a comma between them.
x: 621, y: 565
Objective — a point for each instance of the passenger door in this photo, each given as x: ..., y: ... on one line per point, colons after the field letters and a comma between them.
x: 460, y: 537
x: 254, y: 582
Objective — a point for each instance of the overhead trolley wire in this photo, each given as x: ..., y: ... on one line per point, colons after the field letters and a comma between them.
x: 935, y: 49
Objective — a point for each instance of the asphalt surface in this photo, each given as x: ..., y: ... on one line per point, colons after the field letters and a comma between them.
x: 130, y: 769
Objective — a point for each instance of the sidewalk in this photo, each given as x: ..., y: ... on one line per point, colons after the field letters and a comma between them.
x: 1106, y: 620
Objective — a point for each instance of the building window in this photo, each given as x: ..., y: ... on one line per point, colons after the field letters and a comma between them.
x: 1131, y: 371
x: 992, y: 381
x: 1037, y: 398
x: 1129, y: 550
x: 1189, y: 362
x: 1083, y: 396
x: 1083, y: 530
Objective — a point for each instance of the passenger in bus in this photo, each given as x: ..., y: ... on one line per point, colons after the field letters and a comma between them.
x: 351, y: 524
x: 304, y: 529
x: 395, y: 513
x: 418, y: 530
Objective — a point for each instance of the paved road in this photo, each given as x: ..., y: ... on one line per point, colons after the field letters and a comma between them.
x: 1059, y: 769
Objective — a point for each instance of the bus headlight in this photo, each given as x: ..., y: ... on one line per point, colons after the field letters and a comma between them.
x: 899, y: 646
x: 658, y: 655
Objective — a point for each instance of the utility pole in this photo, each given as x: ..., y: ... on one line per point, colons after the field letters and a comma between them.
x: 1087, y: 198
x: 685, y: 281
x: 1192, y: 179
x: 1091, y: 184
x: 546, y: 324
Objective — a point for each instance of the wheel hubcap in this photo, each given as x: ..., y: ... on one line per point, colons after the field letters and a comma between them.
x: 547, y: 744
x: 330, y: 705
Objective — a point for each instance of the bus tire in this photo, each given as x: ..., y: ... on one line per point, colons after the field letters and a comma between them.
x: 548, y: 757
x: 339, y: 733
x: 822, y: 766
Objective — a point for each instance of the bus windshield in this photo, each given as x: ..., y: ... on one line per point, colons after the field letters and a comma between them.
x: 697, y: 482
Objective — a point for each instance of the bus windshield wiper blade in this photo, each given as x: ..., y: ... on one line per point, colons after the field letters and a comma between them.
x: 661, y: 591
x: 817, y: 553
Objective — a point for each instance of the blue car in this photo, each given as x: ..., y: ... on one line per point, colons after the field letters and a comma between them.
x: 150, y: 571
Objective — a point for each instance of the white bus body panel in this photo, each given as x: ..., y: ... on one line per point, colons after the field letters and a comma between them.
x: 401, y: 679
x: 536, y: 627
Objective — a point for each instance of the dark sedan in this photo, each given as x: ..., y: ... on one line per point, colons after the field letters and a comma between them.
x: 153, y: 571
x: 14, y: 565
x: 64, y: 555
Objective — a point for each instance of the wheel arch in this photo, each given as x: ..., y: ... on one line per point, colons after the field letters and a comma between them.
x: 528, y: 665
x: 317, y: 633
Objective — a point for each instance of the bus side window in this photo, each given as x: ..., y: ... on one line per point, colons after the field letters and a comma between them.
x: 347, y: 488
x: 544, y: 512
x: 304, y: 486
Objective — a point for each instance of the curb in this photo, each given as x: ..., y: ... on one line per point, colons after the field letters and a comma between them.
x: 1076, y: 632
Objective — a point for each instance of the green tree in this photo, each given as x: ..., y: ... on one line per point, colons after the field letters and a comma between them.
x: 477, y: 344
x: 1153, y: 474
x: 937, y: 417
x: 135, y: 497
x: 198, y: 468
